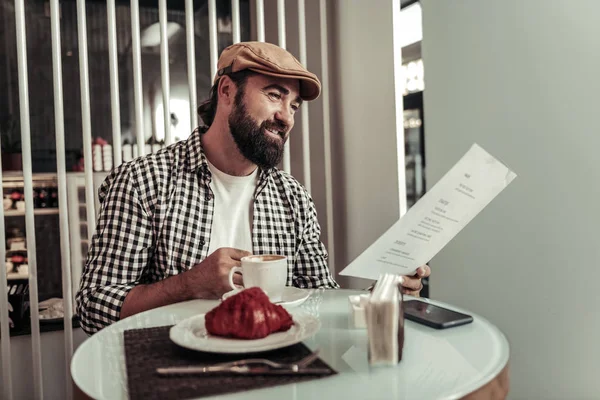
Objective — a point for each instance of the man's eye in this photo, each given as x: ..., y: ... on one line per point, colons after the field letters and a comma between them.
x: 295, y: 107
x: 275, y: 95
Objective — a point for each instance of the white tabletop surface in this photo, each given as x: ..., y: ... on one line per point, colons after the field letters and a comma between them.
x: 436, y: 364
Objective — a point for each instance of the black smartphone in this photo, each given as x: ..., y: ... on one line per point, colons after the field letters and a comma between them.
x: 434, y: 316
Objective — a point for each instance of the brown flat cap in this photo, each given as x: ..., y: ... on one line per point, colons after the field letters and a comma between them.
x: 268, y: 59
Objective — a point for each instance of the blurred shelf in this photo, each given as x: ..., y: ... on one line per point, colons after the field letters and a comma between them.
x: 14, y: 179
x: 45, y: 326
x: 13, y: 276
x: 37, y: 211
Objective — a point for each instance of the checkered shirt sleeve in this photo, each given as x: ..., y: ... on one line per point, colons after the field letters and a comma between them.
x: 120, y: 251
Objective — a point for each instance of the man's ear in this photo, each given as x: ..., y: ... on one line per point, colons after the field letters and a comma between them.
x: 226, y: 90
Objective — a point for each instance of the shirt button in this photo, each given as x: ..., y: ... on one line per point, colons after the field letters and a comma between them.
x: 208, y: 196
x: 202, y: 242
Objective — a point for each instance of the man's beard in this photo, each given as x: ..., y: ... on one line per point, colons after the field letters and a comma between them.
x: 252, y: 140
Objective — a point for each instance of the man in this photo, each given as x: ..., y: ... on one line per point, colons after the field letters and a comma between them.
x: 172, y: 224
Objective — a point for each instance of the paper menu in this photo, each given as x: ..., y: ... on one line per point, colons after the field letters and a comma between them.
x: 429, y: 225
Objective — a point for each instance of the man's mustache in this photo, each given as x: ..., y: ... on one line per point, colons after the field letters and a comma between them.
x: 277, y: 126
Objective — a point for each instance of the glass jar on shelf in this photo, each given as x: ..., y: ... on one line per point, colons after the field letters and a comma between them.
x: 44, y: 197
x: 54, y: 196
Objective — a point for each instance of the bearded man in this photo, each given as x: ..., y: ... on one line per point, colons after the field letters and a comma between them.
x: 173, y: 224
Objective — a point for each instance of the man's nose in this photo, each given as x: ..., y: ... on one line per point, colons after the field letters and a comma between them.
x: 285, y: 116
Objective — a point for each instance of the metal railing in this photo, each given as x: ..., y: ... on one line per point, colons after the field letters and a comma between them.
x: 28, y: 193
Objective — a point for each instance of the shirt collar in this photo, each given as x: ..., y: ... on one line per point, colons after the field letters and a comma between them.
x: 196, y: 160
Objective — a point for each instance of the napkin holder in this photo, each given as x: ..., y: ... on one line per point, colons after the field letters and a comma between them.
x: 384, y: 314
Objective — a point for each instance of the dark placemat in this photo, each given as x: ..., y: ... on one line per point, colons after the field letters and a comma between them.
x: 150, y: 348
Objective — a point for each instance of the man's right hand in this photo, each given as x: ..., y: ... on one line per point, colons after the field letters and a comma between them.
x: 210, y: 278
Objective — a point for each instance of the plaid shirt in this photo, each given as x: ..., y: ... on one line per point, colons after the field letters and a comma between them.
x: 155, y: 221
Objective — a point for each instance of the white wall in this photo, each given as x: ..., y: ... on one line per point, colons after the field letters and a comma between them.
x: 521, y: 78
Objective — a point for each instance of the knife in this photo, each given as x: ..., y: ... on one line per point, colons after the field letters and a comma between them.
x: 245, y: 370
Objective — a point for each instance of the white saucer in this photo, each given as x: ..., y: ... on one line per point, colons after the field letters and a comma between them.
x: 191, y: 333
x: 292, y: 296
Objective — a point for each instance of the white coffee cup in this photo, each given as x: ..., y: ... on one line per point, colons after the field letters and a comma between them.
x: 268, y: 272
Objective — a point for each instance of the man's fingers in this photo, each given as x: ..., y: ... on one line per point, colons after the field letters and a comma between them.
x: 237, y: 279
x: 423, y: 271
x: 237, y: 254
x: 411, y: 283
x: 414, y: 293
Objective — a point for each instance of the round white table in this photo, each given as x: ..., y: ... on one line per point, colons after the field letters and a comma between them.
x: 468, y: 362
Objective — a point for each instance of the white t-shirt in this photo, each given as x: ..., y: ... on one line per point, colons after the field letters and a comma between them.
x: 232, y: 218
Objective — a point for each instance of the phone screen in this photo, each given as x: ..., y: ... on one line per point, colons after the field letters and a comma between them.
x: 434, y: 314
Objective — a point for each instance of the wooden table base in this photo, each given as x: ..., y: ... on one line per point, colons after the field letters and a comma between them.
x: 496, y: 389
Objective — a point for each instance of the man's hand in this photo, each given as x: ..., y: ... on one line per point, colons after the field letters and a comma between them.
x: 206, y: 280
x: 210, y: 278
x: 412, y: 285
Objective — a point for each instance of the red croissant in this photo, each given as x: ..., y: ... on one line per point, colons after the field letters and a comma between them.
x: 247, y: 315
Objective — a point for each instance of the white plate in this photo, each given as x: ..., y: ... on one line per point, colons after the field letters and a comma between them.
x: 292, y: 296
x: 191, y: 333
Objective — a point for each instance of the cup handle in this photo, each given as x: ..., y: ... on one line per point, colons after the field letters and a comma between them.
x: 231, y: 272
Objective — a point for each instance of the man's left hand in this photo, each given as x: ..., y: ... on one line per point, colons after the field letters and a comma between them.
x: 412, y: 285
